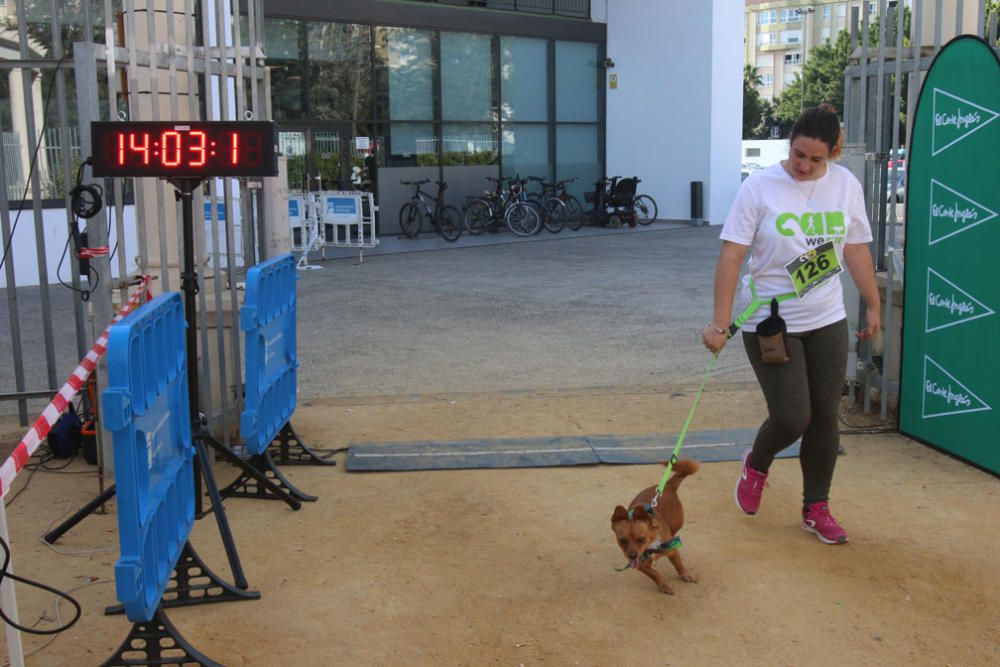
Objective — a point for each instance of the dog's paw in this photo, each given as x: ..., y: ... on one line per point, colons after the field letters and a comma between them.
x: 689, y: 577
x: 665, y: 587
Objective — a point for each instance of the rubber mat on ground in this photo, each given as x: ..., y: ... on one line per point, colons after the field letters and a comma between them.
x: 550, y: 452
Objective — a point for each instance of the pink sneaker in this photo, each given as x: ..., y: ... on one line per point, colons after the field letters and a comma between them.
x: 816, y: 519
x: 749, y: 486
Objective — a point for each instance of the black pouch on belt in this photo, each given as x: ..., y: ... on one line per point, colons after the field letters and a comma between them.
x: 771, y: 337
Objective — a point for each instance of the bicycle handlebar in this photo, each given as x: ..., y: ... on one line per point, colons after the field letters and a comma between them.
x: 421, y: 182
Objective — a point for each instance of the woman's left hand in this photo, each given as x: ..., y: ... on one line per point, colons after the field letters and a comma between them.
x: 873, y: 322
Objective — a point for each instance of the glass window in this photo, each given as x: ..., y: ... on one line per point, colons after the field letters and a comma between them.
x: 526, y: 150
x: 468, y: 143
x: 791, y: 36
x: 576, y: 81
x: 524, y: 78
x: 284, y: 41
x: 467, y: 77
x: 412, y: 144
x: 405, y: 62
x: 339, y: 71
x: 578, y: 155
x: 292, y: 145
x: 790, y: 16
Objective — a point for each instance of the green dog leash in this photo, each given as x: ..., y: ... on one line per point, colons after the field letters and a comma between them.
x: 755, y: 303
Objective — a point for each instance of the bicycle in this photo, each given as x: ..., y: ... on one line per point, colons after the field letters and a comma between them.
x: 521, y: 215
x: 480, y: 212
x: 445, y: 220
x: 509, y: 207
x: 561, y: 208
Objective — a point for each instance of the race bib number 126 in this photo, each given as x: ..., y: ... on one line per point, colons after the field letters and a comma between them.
x: 813, y: 268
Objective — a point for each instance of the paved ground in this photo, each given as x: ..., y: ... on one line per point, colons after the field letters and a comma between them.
x: 624, y: 308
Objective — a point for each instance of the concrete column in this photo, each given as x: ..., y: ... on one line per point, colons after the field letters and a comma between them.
x: 19, y: 121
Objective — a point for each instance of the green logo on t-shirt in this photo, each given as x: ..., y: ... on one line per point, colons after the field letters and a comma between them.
x: 817, y: 227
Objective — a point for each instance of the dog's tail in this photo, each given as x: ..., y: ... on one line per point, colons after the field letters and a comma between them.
x: 682, y: 469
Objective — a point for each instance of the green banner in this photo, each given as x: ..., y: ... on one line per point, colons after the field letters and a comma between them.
x: 950, y: 384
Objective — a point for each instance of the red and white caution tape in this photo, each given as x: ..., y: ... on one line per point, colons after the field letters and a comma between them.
x: 50, y: 415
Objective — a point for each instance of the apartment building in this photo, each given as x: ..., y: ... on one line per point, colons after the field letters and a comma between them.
x: 779, y: 34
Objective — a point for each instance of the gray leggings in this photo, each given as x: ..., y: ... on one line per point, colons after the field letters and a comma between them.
x: 803, y: 400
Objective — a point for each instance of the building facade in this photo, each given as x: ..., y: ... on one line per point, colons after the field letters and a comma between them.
x: 465, y: 91
x: 780, y: 33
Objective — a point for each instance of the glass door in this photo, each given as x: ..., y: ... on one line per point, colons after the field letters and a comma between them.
x: 320, y: 157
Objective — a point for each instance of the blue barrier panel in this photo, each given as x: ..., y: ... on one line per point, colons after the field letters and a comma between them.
x: 146, y: 410
x: 268, y: 320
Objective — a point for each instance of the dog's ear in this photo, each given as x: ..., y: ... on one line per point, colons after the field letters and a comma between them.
x: 640, y: 514
x: 621, y: 514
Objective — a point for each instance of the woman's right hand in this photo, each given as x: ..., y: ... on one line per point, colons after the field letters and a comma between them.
x: 713, y: 340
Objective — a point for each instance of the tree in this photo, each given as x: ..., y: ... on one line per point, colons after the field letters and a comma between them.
x: 824, y: 81
x: 753, y: 104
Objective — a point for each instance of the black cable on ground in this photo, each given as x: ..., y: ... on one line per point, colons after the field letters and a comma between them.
x: 40, y: 586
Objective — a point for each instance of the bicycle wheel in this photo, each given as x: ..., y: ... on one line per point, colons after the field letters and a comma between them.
x: 575, y: 217
x: 521, y: 219
x: 555, y: 215
x: 476, y: 217
x: 645, y: 209
x: 449, y: 224
x: 410, y: 220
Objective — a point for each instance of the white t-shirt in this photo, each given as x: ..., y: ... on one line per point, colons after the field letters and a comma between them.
x: 781, y: 218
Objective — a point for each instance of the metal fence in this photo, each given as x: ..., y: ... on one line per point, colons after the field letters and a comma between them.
x: 881, y: 87
x: 186, y: 60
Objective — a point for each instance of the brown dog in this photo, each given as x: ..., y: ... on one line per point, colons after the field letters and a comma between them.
x: 645, y: 534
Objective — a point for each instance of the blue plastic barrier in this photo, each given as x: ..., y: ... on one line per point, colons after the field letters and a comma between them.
x: 268, y: 320
x: 146, y: 410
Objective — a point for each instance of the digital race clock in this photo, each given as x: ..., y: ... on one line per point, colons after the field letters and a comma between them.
x: 184, y: 149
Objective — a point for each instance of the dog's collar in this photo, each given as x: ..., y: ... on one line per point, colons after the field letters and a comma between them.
x: 648, y: 507
x: 656, y: 548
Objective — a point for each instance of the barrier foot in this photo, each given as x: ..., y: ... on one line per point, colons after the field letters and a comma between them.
x: 194, y: 583
x: 248, y: 486
x: 264, y: 486
x: 81, y: 514
x: 220, y: 513
x: 287, y: 448
x: 157, y: 642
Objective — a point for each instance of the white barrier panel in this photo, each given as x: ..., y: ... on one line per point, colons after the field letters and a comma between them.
x: 348, y: 219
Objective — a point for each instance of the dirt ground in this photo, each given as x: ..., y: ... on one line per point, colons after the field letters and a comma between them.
x: 516, y: 567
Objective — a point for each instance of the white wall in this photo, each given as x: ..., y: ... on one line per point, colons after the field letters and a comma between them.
x: 55, y: 232
x: 599, y: 11
x: 772, y: 151
x: 677, y: 114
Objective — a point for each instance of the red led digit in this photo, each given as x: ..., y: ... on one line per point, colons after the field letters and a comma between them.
x: 198, y: 148
x: 236, y: 148
x: 142, y: 148
x: 167, y: 159
x: 121, y: 149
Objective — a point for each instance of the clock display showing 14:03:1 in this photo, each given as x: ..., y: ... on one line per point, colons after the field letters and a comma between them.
x: 172, y: 149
